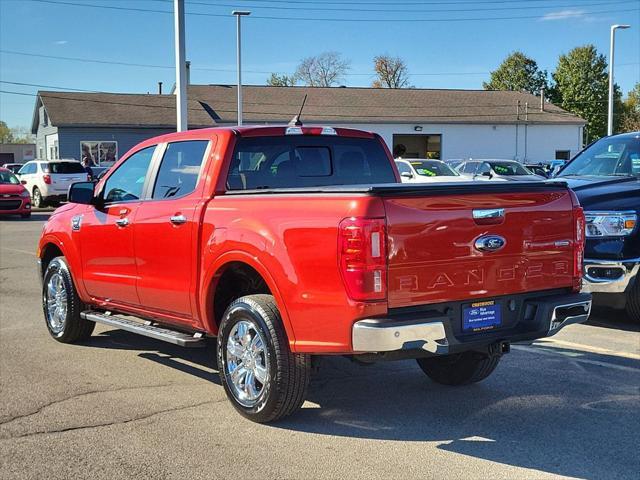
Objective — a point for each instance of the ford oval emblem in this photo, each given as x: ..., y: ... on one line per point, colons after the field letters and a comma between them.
x: 490, y: 243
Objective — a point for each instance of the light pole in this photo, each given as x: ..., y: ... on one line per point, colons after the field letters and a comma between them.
x: 611, y: 51
x: 181, y: 67
x: 239, y: 14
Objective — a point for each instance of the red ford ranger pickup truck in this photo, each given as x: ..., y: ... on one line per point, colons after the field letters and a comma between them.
x: 289, y: 242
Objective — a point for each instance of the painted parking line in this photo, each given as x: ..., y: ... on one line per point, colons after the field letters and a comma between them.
x: 549, y: 351
x: 587, y: 348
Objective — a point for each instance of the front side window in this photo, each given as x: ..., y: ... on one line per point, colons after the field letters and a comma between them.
x: 470, y: 167
x: 127, y: 182
x: 180, y: 169
x: 404, y: 168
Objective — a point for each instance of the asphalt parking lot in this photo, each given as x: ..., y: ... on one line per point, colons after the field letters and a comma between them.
x: 122, y: 406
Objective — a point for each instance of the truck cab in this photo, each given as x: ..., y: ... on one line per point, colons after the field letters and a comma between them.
x: 606, y: 178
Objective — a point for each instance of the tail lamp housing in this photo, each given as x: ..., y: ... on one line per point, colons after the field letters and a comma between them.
x: 47, y: 179
x: 362, y: 247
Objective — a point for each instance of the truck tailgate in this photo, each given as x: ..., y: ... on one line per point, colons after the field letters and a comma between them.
x: 435, y: 245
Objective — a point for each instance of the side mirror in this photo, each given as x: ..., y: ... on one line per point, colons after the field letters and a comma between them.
x: 487, y: 174
x: 406, y: 175
x: 23, y: 182
x: 81, y: 192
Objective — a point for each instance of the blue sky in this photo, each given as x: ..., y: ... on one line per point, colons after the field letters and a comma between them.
x: 441, y: 38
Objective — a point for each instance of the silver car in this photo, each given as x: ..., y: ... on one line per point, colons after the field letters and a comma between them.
x: 497, y: 170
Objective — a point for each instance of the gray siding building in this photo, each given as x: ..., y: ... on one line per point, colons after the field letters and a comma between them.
x: 102, y: 127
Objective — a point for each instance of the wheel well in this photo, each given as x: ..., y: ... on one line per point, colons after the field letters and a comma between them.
x: 235, y: 280
x: 49, y: 252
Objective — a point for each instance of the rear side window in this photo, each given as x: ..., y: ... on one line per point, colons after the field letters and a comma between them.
x: 63, y: 167
x: 127, y: 182
x: 180, y: 169
x: 306, y: 161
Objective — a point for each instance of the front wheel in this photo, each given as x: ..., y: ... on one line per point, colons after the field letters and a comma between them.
x: 62, y: 306
x: 36, y: 198
x: 260, y: 375
x: 460, y: 368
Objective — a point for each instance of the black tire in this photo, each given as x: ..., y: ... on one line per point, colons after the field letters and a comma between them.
x: 287, y: 373
x: 633, y: 302
x: 460, y: 368
x: 68, y: 327
x: 25, y: 215
x: 36, y: 198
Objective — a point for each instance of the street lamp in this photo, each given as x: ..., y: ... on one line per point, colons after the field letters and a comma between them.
x: 611, y: 49
x: 181, y: 67
x: 239, y: 14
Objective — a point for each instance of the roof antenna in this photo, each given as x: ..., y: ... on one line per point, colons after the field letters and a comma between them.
x: 295, y: 121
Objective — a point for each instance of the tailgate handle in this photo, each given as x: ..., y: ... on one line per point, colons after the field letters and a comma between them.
x: 488, y: 216
x: 488, y: 213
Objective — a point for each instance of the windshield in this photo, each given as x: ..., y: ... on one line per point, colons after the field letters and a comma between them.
x: 616, y: 156
x: 8, y: 178
x: 508, y: 168
x: 433, y: 168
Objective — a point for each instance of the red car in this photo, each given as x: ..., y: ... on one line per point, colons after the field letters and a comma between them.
x: 290, y: 242
x: 14, y: 198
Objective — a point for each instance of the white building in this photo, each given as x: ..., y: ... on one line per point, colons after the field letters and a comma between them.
x: 444, y: 124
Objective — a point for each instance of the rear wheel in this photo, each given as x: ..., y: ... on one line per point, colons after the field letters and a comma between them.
x: 460, y: 368
x: 62, y: 306
x: 36, y: 198
x: 633, y: 302
x: 260, y: 375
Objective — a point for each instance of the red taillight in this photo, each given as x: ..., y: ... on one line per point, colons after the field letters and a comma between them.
x: 578, y: 248
x: 362, y: 245
x: 47, y: 179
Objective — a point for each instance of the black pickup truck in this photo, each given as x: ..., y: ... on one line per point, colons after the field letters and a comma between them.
x: 606, y: 178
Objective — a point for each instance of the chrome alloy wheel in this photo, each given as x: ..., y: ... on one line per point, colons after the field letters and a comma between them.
x: 56, y: 301
x: 247, y: 363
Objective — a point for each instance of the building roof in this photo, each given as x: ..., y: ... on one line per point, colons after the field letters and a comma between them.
x: 334, y: 105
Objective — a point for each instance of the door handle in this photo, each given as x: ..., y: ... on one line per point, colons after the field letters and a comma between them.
x: 122, y: 222
x: 178, y: 219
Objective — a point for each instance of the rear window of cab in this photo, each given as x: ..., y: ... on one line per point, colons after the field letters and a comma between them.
x: 63, y: 167
x: 307, y: 161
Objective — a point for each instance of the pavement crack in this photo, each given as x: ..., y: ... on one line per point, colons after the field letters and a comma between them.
x: 79, y: 395
x: 115, y: 422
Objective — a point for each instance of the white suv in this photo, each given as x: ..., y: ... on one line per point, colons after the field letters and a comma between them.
x: 48, y: 181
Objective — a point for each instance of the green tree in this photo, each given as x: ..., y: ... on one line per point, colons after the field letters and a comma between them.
x: 631, y: 111
x: 283, y: 80
x: 581, y: 86
x: 517, y: 72
x: 5, y: 133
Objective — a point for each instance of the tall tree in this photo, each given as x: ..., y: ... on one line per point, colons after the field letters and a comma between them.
x: 517, y: 72
x: 324, y: 70
x: 5, y: 133
x: 392, y: 72
x: 631, y: 111
x: 581, y: 86
x: 22, y: 135
x: 283, y: 80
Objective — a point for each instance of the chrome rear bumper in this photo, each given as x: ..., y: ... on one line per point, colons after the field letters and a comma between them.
x: 435, y: 334
x: 620, y: 274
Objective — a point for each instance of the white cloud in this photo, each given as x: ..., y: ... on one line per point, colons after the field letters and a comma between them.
x: 562, y: 15
x: 61, y: 42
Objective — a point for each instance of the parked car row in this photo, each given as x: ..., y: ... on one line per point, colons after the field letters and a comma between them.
x: 14, y: 197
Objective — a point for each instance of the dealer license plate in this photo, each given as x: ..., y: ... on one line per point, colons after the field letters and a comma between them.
x: 482, y: 316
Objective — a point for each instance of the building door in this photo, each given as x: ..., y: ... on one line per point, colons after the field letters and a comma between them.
x: 417, y: 146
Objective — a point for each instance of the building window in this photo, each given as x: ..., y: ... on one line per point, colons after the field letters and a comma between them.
x: 563, y: 155
x: 99, y: 154
x: 54, y: 153
x: 417, y: 146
